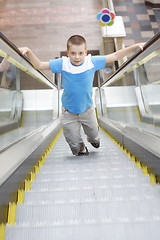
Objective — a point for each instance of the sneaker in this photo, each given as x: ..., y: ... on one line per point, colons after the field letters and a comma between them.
x: 84, y: 152
x: 96, y: 145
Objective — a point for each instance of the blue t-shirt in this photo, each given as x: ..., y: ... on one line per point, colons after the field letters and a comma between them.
x: 77, y: 81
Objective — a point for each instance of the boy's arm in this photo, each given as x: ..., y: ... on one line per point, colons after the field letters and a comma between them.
x: 34, y: 59
x: 123, y: 52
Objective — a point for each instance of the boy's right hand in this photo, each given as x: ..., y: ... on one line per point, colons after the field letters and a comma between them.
x: 23, y: 50
x: 34, y: 59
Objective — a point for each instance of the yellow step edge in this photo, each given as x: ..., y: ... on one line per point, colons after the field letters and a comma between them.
x: 41, y: 162
x: 138, y: 164
x: 145, y: 170
x: 124, y: 150
x: 43, y: 157
x: 118, y: 144
x: 37, y: 169
x: 2, y: 231
x: 27, y: 184
x: 133, y: 158
x: 33, y: 175
x: 20, y: 198
x: 12, y: 213
x: 121, y: 147
x: 128, y: 154
x: 152, y: 179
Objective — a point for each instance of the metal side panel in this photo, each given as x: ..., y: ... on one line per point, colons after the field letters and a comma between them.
x: 12, y: 158
x: 99, y: 196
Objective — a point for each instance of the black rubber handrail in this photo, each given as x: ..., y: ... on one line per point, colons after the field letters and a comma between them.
x: 11, y: 45
x: 147, y: 45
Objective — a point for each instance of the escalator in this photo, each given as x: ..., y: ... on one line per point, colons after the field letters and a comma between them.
x: 102, y: 195
x: 113, y: 193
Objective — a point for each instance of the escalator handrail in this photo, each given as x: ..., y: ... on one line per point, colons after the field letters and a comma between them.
x: 11, y: 45
x: 134, y: 56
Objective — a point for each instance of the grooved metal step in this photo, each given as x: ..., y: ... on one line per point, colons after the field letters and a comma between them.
x: 83, y: 210
x: 69, y: 195
x: 90, y: 231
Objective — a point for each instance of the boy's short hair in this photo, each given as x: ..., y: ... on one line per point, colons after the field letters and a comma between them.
x: 76, y: 40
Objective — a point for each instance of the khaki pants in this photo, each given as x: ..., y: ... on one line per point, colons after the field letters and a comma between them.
x: 72, y: 125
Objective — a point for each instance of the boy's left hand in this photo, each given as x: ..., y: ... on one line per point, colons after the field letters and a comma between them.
x: 141, y: 45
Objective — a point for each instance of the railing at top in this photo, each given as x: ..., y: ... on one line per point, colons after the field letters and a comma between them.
x: 138, y: 58
x: 12, y: 54
x: 131, y: 95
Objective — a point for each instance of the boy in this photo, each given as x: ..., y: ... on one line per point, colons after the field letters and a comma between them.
x: 77, y: 81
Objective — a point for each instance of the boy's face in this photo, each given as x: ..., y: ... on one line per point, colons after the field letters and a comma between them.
x: 77, y: 53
